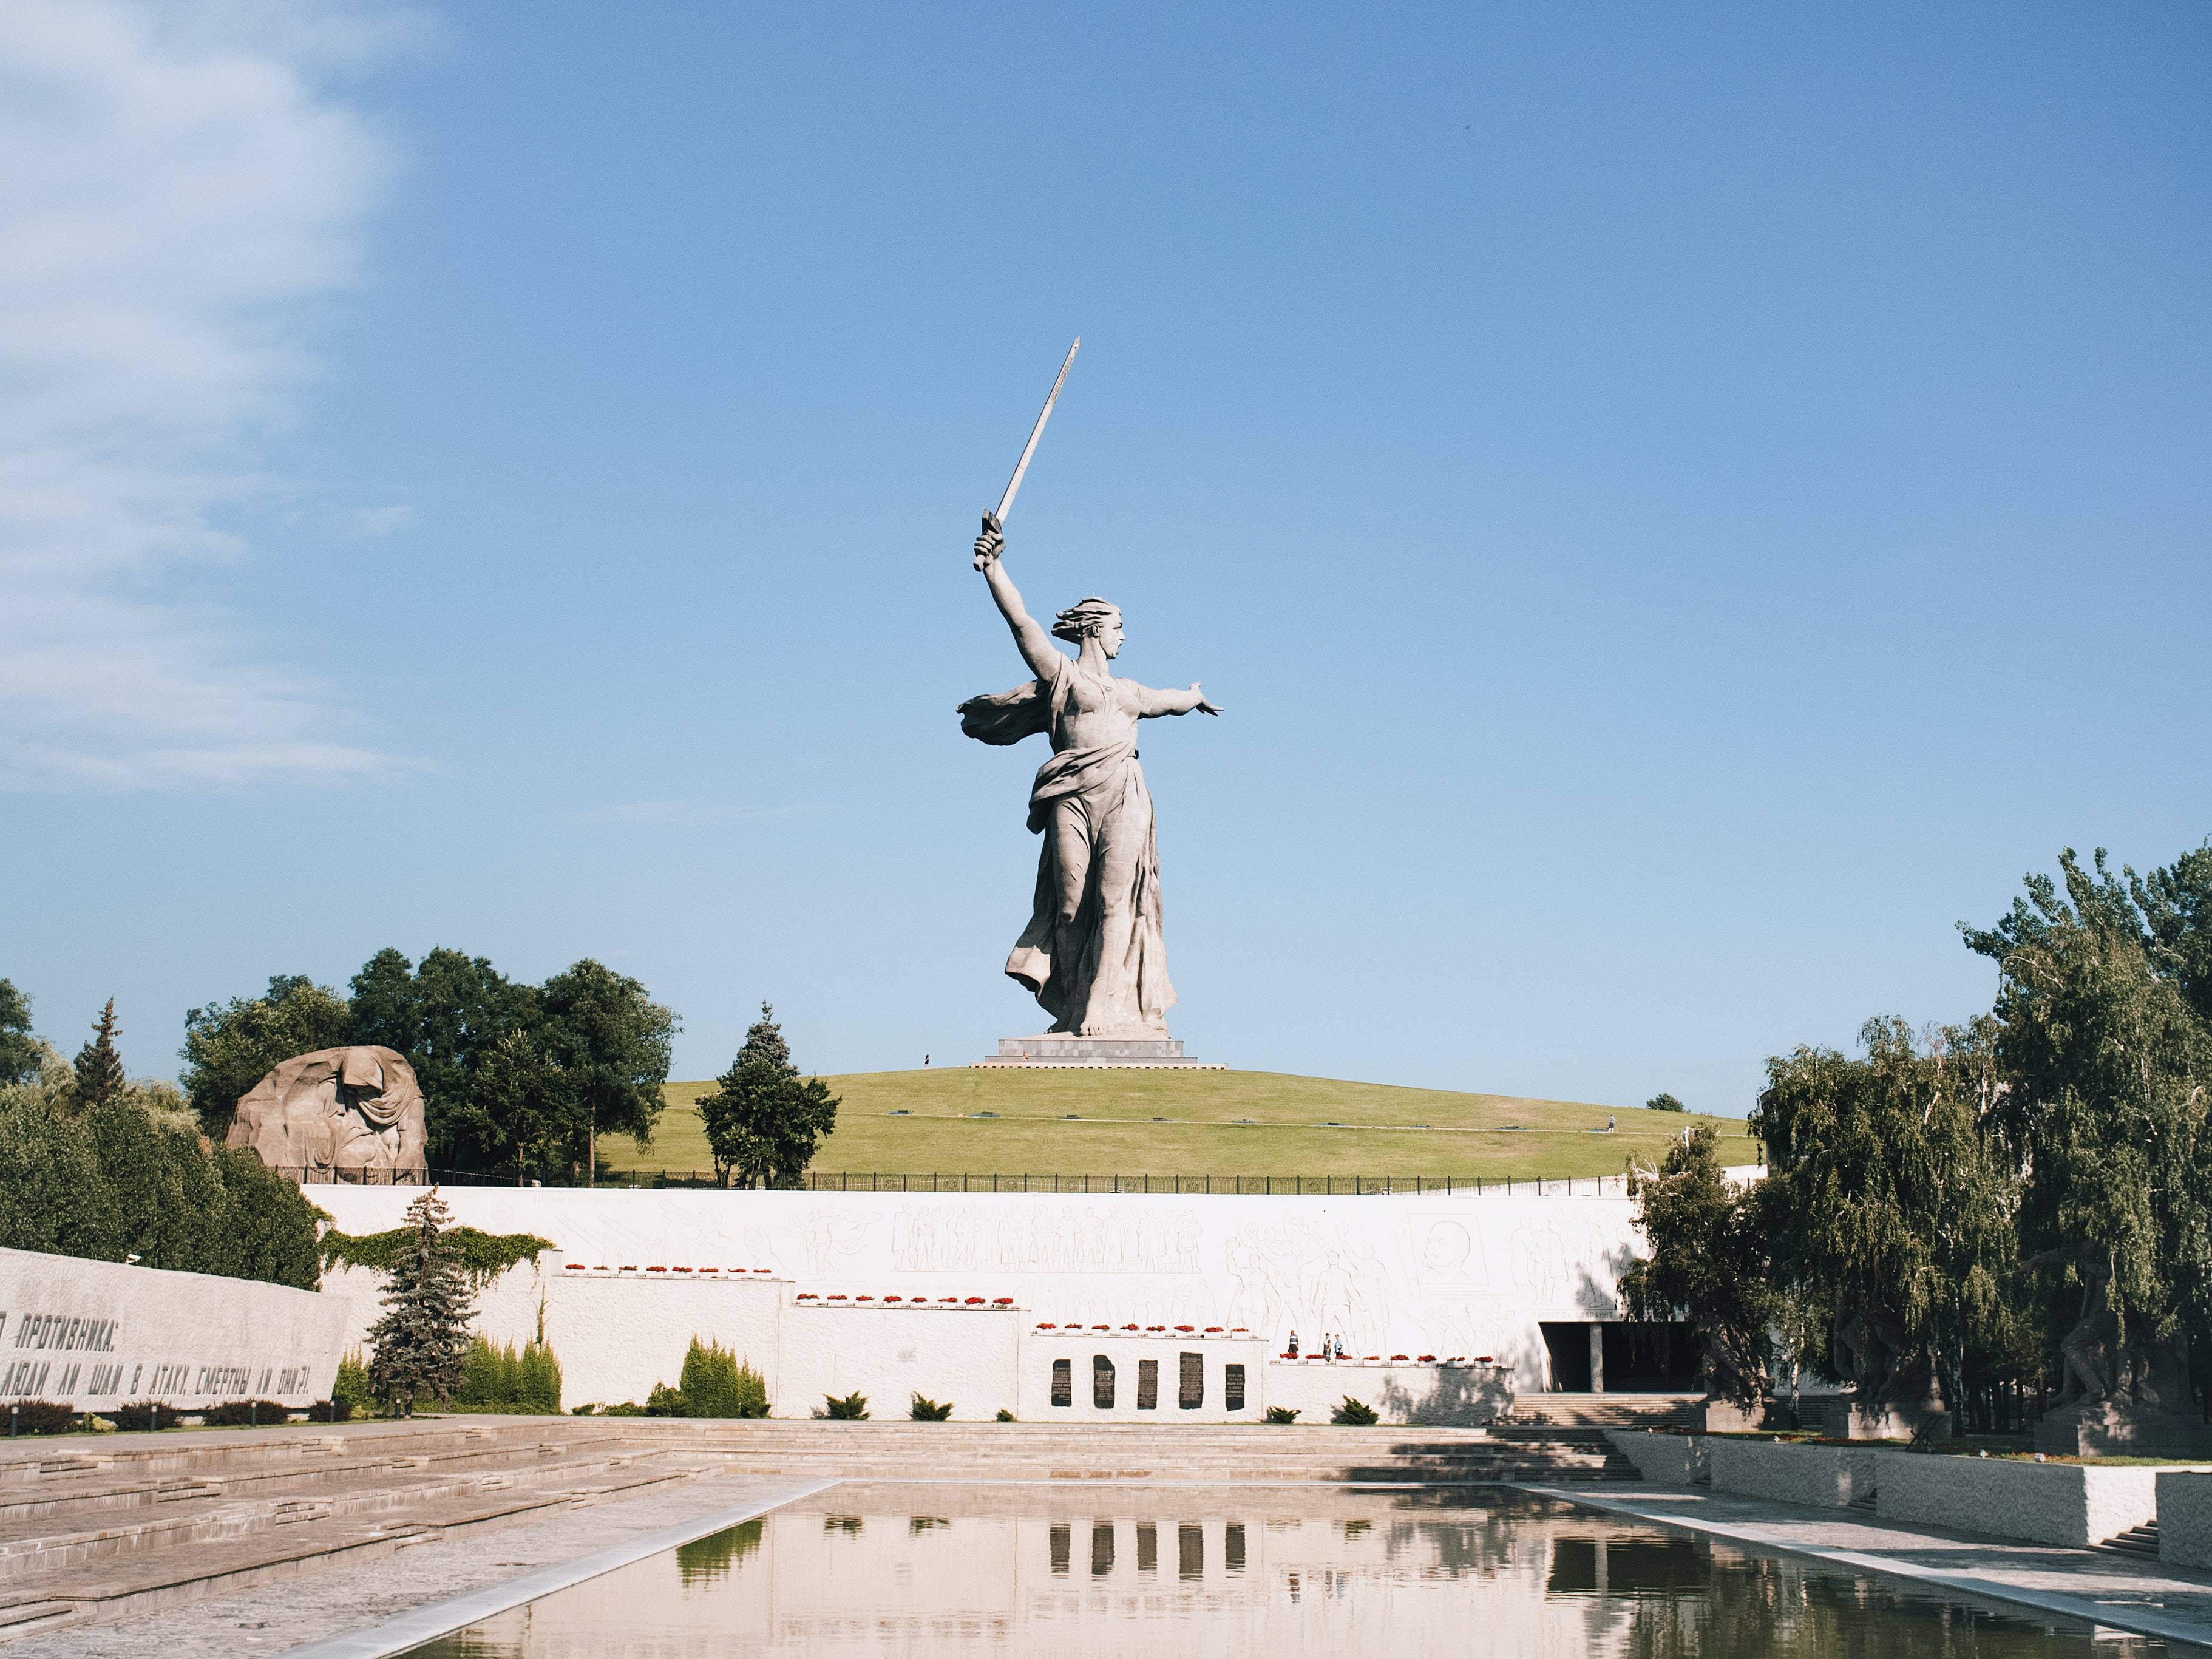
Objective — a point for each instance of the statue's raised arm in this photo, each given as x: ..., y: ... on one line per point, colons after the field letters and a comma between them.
x: 1035, y: 645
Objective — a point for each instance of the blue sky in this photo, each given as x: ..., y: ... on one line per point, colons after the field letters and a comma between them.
x: 1680, y: 506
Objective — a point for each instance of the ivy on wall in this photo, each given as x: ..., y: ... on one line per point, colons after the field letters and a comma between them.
x: 484, y: 1256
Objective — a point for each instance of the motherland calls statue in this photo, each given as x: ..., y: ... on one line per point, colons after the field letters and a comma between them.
x: 1093, y: 952
x: 349, y: 1115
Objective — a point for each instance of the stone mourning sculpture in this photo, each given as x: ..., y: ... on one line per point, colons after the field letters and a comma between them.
x: 1093, y: 952
x: 337, y: 1114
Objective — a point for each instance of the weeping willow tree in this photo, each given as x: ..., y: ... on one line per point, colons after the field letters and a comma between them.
x: 1707, y: 1264
x: 2102, y: 1036
x: 1889, y: 1210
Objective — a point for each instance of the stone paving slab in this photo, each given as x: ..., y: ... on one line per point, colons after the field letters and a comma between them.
x: 2123, y: 1592
x: 269, y: 1618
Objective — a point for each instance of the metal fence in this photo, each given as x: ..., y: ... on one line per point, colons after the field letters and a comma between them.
x: 873, y: 1181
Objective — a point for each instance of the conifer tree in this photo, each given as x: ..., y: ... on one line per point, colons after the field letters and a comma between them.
x: 99, y: 1067
x: 422, y: 1341
x: 765, y: 1121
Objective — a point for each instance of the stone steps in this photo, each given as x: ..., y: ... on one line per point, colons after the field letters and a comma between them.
x: 37, y: 1545
x: 77, y: 1493
x: 106, y: 1585
x: 2135, y: 1541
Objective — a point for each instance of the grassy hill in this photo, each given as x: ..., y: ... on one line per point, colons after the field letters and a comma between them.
x: 966, y: 1121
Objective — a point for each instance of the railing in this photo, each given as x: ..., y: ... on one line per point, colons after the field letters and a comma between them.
x: 872, y: 1181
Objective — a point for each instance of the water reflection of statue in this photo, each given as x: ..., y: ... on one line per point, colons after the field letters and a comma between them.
x: 1093, y: 953
x: 351, y: 1113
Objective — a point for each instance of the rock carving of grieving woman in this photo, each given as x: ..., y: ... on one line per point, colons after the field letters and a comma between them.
x: 1093, y: 952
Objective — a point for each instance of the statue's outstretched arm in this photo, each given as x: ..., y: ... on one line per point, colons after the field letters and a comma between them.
x: 1036, y: 646
x: 1151, y: 702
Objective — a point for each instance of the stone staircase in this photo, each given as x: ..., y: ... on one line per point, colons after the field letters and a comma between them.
x: 89, y: 1528
x: 2135, y: 1541
x: 96, y: 1527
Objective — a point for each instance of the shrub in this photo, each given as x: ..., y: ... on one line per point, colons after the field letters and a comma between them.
x: 717, y: 1383
x: 930, y: 1411
x: 141, y: 1414
x: 1355, y: 1412
x: 1005, y: 1416
x: 330, y: 1411
x: 853, y: 1408
x: 665, y: 1401
x: 485, y: 1374
x: 244, y: 1414
x: 351, y: 1388
x: 1282, y: 1414
x: 40, y: 1417
x: 502, y: 1379
x: 537, y: 1380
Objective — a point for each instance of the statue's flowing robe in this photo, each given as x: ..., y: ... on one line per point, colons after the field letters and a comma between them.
x: 1102, y: 789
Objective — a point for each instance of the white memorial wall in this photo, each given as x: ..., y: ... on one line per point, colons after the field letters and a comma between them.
x: 94, y: 1335
x: 780, y: 1278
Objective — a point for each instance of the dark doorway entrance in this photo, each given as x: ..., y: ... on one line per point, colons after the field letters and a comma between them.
x: 1567, y: 1356
x: 1658, y: 1358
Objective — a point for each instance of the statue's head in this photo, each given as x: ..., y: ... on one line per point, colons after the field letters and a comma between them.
x: 1094, y: 618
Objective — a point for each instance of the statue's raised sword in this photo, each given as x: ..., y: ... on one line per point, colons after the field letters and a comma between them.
x: 992, y: 520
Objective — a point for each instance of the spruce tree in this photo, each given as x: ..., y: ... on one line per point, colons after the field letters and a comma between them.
x: 763, y: 1121
x: 422, y: 1341
x: 98, y: 1068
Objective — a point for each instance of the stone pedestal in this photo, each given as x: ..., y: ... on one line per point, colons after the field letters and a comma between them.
x: 1062, y: 1049
x: 2101, y: 1429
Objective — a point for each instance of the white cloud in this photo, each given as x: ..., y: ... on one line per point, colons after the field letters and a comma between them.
x: 368, y: 523
x: 180, y: 184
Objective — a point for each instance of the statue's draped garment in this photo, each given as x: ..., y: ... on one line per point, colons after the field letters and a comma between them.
x: 1100, y: 792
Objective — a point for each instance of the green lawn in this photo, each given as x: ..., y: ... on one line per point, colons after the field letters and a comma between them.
x: 1385, y: 1131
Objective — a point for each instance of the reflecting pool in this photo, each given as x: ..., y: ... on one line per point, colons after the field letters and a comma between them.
x: 926, y: 1570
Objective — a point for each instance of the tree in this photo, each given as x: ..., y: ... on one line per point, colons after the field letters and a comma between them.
x: 765, y: 1121
x: 1664, y: 1102
x: 2106, y: 1062
x: 170, y: 1201
x: 519, y: 1110
x: 1707, y: 1264
x: 98, y: 1068
x: 231, y: 1046
x: 269, y: 1224
x: 53, y: 1194
x: 19, y: 1049
x: 611, y: 1041
x: 447, y: 1017
x: 420, y: 1342
x: 2176, y: 903
x: 1889, y: 1208
x: 132, y: 1175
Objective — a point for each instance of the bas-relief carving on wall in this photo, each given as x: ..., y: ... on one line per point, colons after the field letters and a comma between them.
x: 1043, y: 1238
x: 338, y: 1114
